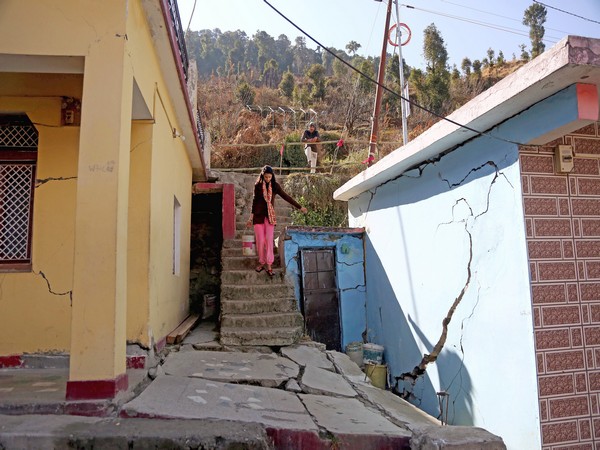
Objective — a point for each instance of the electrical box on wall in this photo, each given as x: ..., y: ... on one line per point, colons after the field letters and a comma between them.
x: 563, y: 158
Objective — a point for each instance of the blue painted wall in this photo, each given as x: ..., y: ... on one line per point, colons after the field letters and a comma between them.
x: 458, y: 224
x: 350, y: 261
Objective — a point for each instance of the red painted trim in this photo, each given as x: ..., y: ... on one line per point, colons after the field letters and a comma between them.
x: 228, y: 211
x: 11, y: 361
x: 207, y: 188
x: 179, y: 64
x: 136, y: 361
x: 96, y: 389
x: 587, y: 101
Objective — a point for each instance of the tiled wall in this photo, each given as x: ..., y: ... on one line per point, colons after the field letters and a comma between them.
x: 562, y: 215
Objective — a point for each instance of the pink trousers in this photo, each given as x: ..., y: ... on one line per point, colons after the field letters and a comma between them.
x: 264, y: 242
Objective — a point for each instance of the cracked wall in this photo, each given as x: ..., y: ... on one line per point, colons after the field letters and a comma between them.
x: 349, y: 256
x: 40, y: 301
x: 449, y: 294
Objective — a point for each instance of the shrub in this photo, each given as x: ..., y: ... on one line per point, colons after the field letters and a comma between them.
x: 315, y: 192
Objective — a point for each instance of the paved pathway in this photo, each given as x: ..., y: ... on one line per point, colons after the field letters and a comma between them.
x: 302, y: 397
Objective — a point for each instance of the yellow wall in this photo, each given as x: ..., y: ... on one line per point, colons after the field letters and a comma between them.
x: 156, y: 299
x: 171, y: 177
x: 36, y: 312
x: 138, y: 288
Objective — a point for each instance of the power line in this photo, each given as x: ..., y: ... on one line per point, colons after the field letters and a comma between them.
x: 552, y: 39
x: 499, y: 15
x: 566, y: 12
x: 385, y: 88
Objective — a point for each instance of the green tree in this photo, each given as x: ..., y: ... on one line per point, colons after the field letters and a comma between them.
x: 353, y: 47
x: 500, y: 60
x: 436, y: 83
x: 534, y: 18
x: 434, y: 50
x: 491, y: 56
x: 244, y: 93
x: 270, y: 74
x: 365, y: 86
x: 286, y: 87
x: 477, y: 68
x: 301, y: 96
x: 466, y: 66
x: 316, y: 73
x: 524, y: 53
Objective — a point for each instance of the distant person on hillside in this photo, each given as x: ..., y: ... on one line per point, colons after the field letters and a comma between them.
x: 263, y: 216
x: 310, y: 150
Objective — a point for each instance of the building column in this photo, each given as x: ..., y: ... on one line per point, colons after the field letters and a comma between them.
x: 99, y: 311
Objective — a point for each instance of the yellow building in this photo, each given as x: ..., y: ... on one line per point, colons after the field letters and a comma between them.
x: 98, y: 146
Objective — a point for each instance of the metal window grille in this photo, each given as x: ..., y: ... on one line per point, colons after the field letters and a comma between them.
x: 15, y: 211
x: 18, y: 136
x: 17, y: 174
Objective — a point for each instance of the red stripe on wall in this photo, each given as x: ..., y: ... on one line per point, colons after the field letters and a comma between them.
x: 96, y: 389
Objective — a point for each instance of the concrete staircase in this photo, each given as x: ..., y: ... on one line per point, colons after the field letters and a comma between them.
x: 257, y: 310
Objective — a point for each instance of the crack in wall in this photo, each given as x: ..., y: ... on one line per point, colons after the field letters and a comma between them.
x: 69, y: 293
x: 420, y: 369
x: 41, y: 181
x: 427, y: 359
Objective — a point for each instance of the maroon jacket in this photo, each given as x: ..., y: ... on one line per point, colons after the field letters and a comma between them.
x: 259, y: 204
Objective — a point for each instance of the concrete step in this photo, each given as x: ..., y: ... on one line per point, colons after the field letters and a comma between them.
x: 238, y: 252
x: 265, y: 320
x: 257, y: 306
x: 260, y: 336
x: 250, y: 277
x: 250, y: 291
x: 243, y: 262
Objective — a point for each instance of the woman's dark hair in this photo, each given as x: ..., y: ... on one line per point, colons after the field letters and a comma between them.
x: 261, y: 177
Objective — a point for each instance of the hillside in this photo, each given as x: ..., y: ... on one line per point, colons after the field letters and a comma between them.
x: 260, y: 90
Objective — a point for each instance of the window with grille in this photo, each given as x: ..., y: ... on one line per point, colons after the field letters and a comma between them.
x: 18, y: 157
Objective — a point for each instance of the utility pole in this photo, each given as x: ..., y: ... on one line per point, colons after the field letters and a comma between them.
x: 379, y: 90
x: 403, y: 103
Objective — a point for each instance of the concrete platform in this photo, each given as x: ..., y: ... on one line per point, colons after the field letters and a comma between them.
x: 303, y: 397
x: 267, y: 370
x: 190, y: 398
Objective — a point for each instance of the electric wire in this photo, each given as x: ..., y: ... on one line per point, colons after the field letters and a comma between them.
x: 566, y: 12
x: 551, y: 39
x: 385, y: 88
x: 499, y: 15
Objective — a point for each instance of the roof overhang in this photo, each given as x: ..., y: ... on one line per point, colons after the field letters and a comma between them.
x: 572, y: 60
x: 161, y: 29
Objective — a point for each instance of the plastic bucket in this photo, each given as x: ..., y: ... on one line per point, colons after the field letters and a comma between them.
x: 248, y: 245
x: 377, y: 373
x: 354, y: 350
x: 372, y: 353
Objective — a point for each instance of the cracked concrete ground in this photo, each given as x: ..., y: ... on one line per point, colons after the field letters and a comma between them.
x: 301, y: 397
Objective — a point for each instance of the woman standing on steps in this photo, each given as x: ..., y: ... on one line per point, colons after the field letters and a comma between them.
x: 263, y: 216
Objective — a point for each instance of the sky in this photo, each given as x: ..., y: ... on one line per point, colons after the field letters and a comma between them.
x: 473, y: 28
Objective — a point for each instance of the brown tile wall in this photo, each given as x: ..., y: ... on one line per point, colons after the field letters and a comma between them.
x: 562, y: 216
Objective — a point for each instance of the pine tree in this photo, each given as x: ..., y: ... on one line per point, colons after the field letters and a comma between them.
x: 534, y: 18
